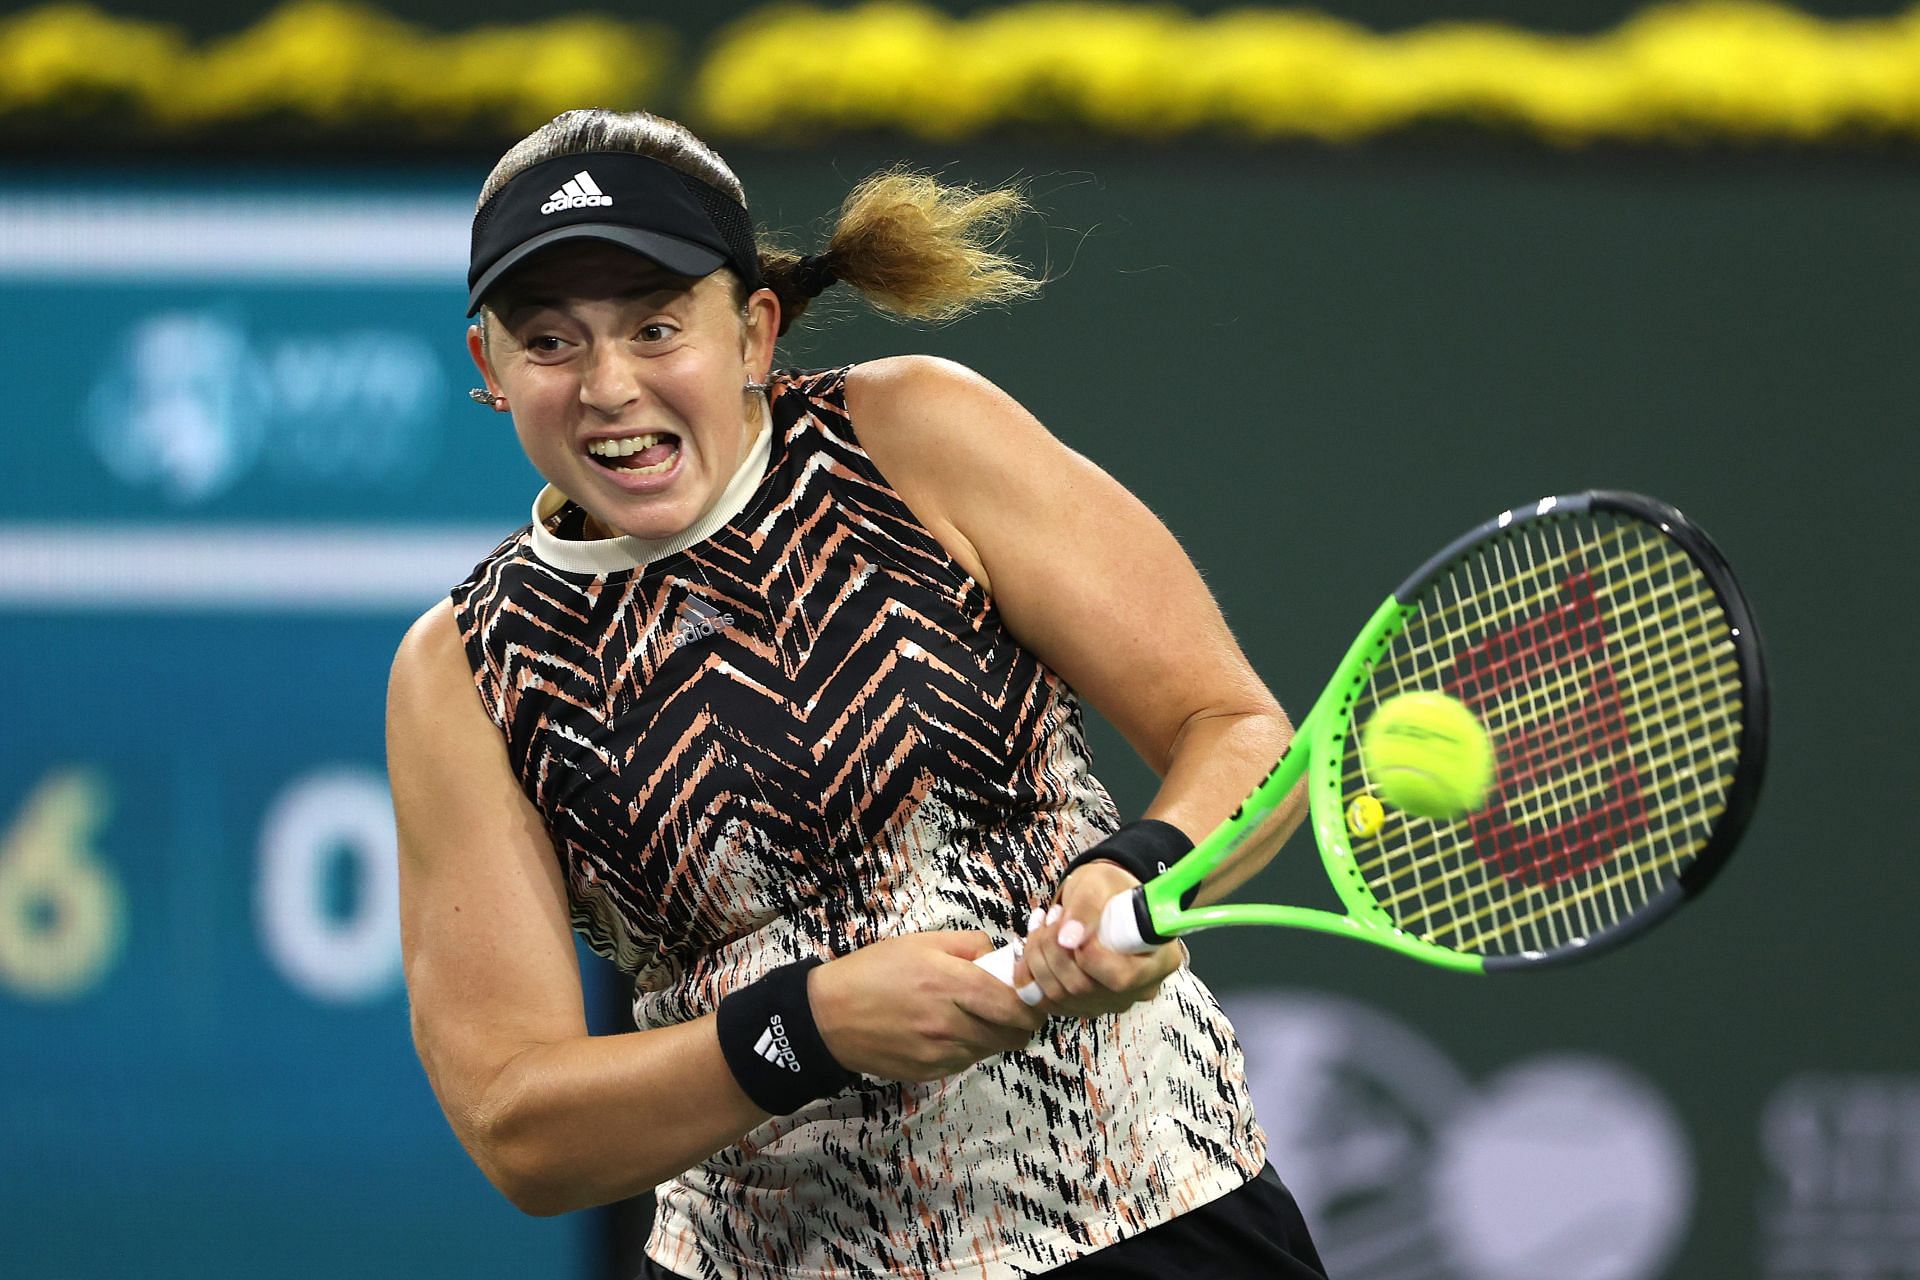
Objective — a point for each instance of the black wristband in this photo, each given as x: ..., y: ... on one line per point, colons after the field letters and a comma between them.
x: 773, y: 1047
x: 1146, y: 848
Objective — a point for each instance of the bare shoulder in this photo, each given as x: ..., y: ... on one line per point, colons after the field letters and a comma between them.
x: 918, y: 396
x: 948, y: 440
x: 434, y: 633
x: 877, y: 383
x: 440, y: 739
x: 430, y: 660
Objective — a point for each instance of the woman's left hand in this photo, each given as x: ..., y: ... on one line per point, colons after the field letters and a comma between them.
x: 1077, y: 976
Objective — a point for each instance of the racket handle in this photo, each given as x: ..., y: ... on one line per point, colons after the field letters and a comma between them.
x: 1120, y: 924
x: 1119, y: 931
x: 1000, y: 964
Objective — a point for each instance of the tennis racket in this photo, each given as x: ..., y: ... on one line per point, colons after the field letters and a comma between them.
x: 1602, y: 641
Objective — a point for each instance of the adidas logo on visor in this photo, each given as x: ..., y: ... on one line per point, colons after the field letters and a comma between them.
x: 578, y: 192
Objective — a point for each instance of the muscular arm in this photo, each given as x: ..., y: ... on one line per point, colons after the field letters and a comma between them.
x: 1091, y: 582
x: 555, y: 1118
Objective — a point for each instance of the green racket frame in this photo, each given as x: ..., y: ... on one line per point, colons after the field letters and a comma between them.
x: 1318, y: 749
x: 1318, y: 746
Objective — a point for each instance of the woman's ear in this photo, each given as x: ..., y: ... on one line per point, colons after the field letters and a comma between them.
x: 489, y: 392
x: 477, y: 350
x: 761, y: 329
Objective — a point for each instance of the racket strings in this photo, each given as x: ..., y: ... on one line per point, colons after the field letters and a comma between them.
x: 1629, y: 875
x: 1598, y: 657
x: 1590, y: 834
x: 1426, y: 855
x: 1564, y: 847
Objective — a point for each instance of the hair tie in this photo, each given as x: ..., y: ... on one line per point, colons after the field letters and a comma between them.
x: 812, y: 275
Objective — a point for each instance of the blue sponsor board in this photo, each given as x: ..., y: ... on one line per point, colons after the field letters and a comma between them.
x: 320, y: 402
x: 248, y: 399
x: 208, y: 1069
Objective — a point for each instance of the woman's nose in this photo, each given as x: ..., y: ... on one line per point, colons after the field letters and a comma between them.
x: 609, y: 382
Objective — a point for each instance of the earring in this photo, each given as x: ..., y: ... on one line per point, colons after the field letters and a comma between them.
x: 480, y: 395
x: 753, y: 386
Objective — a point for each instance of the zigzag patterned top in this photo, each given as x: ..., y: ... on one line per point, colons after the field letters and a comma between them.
x: 805, y: 733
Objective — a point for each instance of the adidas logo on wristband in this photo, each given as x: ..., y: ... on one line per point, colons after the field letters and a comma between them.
x: 773, y: 1046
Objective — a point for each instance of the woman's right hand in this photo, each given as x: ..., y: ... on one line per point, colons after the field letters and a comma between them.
x: 917, y: 1008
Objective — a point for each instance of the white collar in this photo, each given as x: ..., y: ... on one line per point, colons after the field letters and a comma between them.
x: 617, y: 555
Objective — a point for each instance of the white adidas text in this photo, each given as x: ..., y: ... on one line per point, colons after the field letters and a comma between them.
x: 773, y: 1046
x: 578, y: 192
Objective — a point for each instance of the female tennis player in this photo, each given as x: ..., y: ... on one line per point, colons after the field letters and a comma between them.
x: 774, y: 701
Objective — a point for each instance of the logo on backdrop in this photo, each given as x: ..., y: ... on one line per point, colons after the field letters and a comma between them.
x: 1844, y: 1151
x: 1570, y: 1166
x: 194, y: 403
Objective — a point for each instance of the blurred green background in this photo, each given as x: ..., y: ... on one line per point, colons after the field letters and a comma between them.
x: 1316, y: 362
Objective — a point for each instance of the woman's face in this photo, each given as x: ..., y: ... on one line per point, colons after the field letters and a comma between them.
x: 626, y: 383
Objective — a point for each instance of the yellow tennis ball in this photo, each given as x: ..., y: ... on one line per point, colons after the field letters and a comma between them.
x: 1428, y: 754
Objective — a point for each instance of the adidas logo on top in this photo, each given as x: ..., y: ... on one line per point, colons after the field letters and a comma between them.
x: 698, y: 620
x: 773, y: 1046
x: 578, y: 192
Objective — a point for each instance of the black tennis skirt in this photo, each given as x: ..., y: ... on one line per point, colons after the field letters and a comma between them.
x: 1254, y: 1233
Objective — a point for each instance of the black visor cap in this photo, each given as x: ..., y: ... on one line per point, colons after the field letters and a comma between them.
x: 631, y: 201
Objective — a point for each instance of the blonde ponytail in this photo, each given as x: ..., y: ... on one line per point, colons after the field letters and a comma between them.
x: 913, y: 247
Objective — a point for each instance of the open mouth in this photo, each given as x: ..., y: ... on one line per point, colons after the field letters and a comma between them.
x: 647, y: 454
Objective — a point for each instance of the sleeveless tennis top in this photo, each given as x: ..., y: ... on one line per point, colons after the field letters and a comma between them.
x: 798, y: 734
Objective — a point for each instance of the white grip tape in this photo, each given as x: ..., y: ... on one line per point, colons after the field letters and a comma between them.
x: 1120, y: 927
x: 1000, y: 964
x: 1119, y: 931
